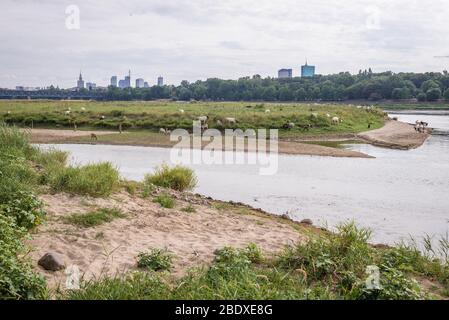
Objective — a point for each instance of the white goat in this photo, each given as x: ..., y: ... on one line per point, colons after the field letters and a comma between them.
x: 335, y: 120
x: 231, y: 120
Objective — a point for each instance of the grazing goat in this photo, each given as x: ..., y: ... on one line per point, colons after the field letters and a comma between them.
x: 203, y: 119
x: 162, y: 130
x: 93, y: 136
x: 288, y: 126
x: 219, y: 123
x: 231, y: 120
x: 335, y: 120
x: 267, y: 111
x: 181, y: 110
x: 305, y: 127
x: 315, y: 115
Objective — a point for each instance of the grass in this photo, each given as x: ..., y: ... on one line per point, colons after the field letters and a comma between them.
x: 95, y: 218
x: 164, y: 114
x: 189, y: 209
x: 332, y: 267
x: 97, y: 180
x: 165, y: 201
x: 177, y: 178
x: 156, y: 260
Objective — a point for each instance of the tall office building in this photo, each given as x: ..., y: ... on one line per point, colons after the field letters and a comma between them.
x: 307, y: 71
x: 146, y: 85
x: 114, y: 81
x: 285, y: 73
x: 160, y: 81
x: 140, y: 83
x: 80, y: 83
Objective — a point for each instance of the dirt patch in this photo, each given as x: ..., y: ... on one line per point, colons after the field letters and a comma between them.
x: 112, y: 248
x: 58, y: 136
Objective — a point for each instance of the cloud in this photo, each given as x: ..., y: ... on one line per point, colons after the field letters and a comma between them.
x: 203, y: 38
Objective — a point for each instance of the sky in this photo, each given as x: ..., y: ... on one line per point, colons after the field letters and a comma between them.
x: 48, y: 42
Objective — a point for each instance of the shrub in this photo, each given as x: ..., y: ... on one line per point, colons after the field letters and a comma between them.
x: 17, y: 280
x: 156, y: 260
x: 95, y: 218
x: 177, y: 178
x: 189, y: 209
x: 165, y: 201
x: 97, y: 180
x: 25, y: 208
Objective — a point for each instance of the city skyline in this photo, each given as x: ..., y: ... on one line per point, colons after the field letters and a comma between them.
x: 197, y: 40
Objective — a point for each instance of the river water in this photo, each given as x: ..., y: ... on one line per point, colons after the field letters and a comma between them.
x: 399, y: 194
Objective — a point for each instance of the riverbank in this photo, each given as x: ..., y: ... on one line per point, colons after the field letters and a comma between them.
x: 151, y: 139
x: 395, y: 135
x: 192, y: 235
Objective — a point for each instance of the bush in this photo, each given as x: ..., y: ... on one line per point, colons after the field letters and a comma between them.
x: 25, y: 208
x: 177, y: 178
x: 97, y: 180
x: 156, y: 260
x: 17, y: 280
x: 165, y: 201
x: 95, y: 218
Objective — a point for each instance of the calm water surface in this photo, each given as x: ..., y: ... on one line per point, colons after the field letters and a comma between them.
x: 398, y: 194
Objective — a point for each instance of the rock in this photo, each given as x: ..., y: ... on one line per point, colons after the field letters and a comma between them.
x: 307, y: 222
x: 51, y: 261
x: 285, y: 216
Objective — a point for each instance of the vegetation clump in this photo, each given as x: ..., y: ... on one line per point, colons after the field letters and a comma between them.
x: 97, y: 180
x: 156, y: 260
x: 95, y: 218
x: 177, y: 178
x: 165, y: 201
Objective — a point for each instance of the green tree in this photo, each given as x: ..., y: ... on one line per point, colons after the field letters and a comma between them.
x: 433, y: 94
x: 446, y: 95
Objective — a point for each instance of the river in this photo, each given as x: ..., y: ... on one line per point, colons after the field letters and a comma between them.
x: 398, y: 194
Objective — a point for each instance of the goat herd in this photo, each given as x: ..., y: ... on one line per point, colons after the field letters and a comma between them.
x: 421, y: 126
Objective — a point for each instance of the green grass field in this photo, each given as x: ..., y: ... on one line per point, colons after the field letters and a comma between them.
x: 164, y: 114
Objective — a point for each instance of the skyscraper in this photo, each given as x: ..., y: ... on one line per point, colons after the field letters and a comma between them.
x: 285, y: 73
x: 128, y: 80
x: 140, y: 83
x: 307, y: 71
x: 114, y: 81
x: 80, y: 83
x: 160, y: 81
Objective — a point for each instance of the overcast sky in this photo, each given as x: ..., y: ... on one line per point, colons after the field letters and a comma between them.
x: 228, y: 39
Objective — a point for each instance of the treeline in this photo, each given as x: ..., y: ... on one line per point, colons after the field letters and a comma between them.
x: 365, y: 85
x: 343, y: 86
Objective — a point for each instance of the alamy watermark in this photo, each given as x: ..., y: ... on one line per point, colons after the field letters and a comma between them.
x: 73, y: 17
x: 236, y: 147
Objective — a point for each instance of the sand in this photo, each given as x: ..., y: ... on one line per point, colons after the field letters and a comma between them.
x: 162, y: 141
x: 111, y: 248
x: 395, y: 135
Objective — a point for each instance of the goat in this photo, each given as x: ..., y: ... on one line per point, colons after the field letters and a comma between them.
x: 231, y: 120
x: 335, y: 120
x: 162, y: 130
x: 181, y: 110
x: 93, y: 136
x: 288, y: 126
x: 203, y: 119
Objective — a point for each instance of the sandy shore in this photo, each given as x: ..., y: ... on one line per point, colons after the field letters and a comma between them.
x: 111, y: 248
x: 46, y: 136
x: 395, y: 135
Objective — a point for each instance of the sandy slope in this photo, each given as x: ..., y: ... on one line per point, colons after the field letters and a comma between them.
x: 193, y: 237
x: 396, y: 135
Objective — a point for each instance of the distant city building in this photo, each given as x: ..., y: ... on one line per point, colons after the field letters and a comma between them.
x: 122, y: 84
x: 160, y: 81
x: 285, y: 73
x: 125, y: 83
x: 140, y: 83
x: 91, y: 86
x: 307, y: 71
x: 80, y: 83
x: 146, y: 85
x: 114, y: 81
